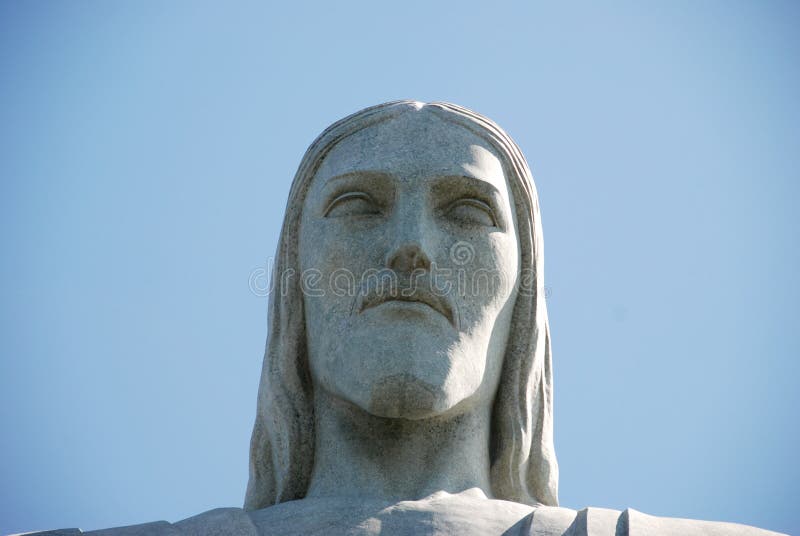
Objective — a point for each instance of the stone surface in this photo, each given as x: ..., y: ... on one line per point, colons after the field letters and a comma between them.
x: 57, y: 532
x: 409, y: 347
x: 219, y: 522
x: 156, y: 527
x: 469, y: 514
x: 407, y: 381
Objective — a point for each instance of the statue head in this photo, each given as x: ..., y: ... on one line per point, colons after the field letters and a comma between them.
x: 408, y: 283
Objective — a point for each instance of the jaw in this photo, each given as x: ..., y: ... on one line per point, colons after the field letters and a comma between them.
x: 402, y: 364
x: 404, y: 396
x: 405, y: 374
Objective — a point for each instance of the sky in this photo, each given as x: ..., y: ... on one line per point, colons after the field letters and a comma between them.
x: 146, y: 152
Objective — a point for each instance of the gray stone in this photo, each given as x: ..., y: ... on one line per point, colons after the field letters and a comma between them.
x: 57, y: 532
x: 407, y: 383
x: 219, y: 522
x: 441, y: 513
x: 161, y: 528
x: 426, y: 365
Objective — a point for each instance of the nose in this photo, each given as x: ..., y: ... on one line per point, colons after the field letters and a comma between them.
x: 408, y: 257
x: 410, y: 231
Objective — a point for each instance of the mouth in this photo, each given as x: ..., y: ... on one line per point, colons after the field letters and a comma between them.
x: 414, y: 298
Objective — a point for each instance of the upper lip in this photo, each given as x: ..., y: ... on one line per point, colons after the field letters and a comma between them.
x: 416, y: 294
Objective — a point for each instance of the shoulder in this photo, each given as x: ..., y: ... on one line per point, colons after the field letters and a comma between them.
x: 228, y: 521
x: 555, y: 521
x: 332, y: 517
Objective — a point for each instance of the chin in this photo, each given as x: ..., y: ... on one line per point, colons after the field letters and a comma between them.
x: 410, y: 369
x: 401, y: 373
x: 404, y: 396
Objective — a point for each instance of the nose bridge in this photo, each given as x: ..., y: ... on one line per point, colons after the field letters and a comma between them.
x: 410, y: 240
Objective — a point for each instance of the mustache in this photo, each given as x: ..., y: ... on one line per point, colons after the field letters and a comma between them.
x: 409, y: 289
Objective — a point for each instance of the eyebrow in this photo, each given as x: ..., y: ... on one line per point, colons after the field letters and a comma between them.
x: 474, y: 181
x: 361, y: 173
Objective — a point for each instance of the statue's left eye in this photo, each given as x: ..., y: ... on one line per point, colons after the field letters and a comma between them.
x: 352, y: 204
x: 472, y: 211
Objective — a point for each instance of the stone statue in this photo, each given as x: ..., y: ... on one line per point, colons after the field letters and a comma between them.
x: 407, y: 385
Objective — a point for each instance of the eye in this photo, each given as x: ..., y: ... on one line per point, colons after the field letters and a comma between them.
x: 471, y: 211
x: 352, y: 204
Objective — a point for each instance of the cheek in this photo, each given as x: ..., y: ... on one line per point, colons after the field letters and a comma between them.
x: 505, y: 258
x: 331, y: 249
x: 487, y: 283
x: 333, y: 260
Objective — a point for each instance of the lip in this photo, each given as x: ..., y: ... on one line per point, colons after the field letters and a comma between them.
x: 437, y: 303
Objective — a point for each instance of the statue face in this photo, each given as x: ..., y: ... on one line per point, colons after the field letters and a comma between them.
x: 410, y: 259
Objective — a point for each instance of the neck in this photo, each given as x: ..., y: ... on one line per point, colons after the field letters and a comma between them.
x: 360, y: 455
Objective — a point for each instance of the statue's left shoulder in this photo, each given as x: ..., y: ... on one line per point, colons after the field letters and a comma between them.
x: 555, y: 521
x: 636, y: 523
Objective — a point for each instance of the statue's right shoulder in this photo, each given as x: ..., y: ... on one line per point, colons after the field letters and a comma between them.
x: 228, y: 521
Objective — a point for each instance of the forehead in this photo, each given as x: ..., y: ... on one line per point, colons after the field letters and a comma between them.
x: 415, y: 145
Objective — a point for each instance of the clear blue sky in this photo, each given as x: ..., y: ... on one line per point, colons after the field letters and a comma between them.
x: 146, y: 151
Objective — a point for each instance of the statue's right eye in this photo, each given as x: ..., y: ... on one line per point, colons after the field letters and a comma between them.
x: 352, y: 204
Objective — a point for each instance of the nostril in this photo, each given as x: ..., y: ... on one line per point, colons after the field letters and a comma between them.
x: 407, y: 258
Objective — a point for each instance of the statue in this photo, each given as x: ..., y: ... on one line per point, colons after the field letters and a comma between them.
x: 407, y: 385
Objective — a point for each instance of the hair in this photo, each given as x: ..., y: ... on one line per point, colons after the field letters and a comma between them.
x: 522, y: 455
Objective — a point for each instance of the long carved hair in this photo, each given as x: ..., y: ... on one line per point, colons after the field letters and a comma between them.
x: 523, y: 461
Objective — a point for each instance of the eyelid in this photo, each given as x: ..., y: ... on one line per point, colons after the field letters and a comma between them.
x: 477, y: 203
x: 344, y: 197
